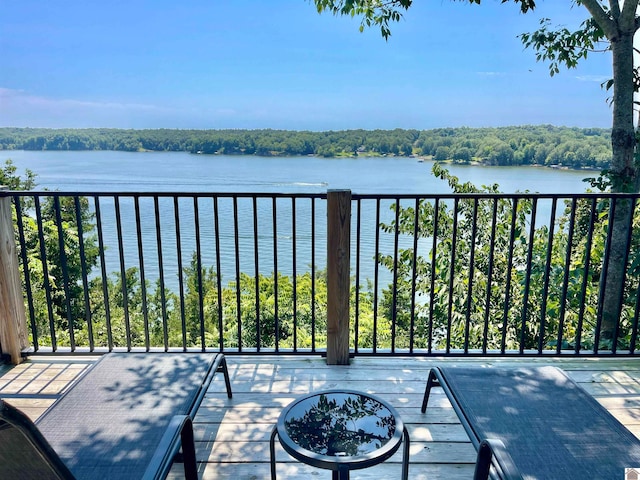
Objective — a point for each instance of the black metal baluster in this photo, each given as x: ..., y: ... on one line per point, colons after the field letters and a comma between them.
x: 432, y: 286
x: 527, y: 280
x: 103, y: 272
x: 474, y: 230
x: 357, y: 299
x: 275, y: 273
x: 295, y: 274
x: 65, y: 271
x: 604, y: 275
x: 143, y: 283
x: 196, y: 218
x: 236, y: 238
x: 216, y: 221
x: 452, y: 266
x: 45, y: 274
x: 163, y: 300
x: 123, y: 273
x: 414, y: 274
x: 376, y: 279
x: 83, y: 268
x: 507, y: 293
x: 183, y: 317
x: 492, y: 245
x: 585, y: 275
x: 394, y: 307
x: 27, y: 273
x: 256, y: 254
x: 547, y: 271
x: 313, y: 277
x: 565, y: 278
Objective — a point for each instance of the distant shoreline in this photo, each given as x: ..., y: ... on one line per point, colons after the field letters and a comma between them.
x: 542, y: 145
x: 363, y: 155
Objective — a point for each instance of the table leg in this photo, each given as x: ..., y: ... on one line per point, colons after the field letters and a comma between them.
x: 340, y: 474
x: 272, y: 451
x: 405, y: 454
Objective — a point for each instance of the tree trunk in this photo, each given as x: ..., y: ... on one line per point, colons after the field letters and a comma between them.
x: 624, y: 177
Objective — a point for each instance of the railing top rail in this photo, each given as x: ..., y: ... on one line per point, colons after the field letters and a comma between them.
x: 518, y: 195
x: 321, y: 195
x: 56, y: 193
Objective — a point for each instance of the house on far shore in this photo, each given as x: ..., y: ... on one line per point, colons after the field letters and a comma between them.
x: 632, y: 474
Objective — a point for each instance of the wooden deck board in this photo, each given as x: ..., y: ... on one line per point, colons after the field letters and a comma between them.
x: 232, y: 435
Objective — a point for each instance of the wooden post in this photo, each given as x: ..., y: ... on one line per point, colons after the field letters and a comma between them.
x: 13, y: 319
x: 338, y: 270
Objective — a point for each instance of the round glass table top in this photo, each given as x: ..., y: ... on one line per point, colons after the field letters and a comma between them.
x: 340, y: 424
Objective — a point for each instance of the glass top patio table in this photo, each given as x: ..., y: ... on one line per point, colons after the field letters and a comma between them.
x: 340, y: 430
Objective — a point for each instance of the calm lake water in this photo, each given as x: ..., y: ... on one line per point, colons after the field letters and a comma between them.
x: 106, y: 171
x: 178, y: 171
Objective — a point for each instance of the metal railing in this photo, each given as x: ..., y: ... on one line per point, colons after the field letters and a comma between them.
x: 459, y: 274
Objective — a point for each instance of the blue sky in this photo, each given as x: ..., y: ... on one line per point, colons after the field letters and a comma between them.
x: 278, y: 64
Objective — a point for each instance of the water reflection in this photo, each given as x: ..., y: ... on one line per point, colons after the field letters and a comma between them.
x: 340, y: 424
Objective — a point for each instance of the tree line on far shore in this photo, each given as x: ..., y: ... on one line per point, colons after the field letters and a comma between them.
x: 543, y: 145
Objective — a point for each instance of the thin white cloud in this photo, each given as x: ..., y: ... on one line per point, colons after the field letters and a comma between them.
x: 14, y: 96
x: 490, y: 74
x: 593, y: 78
x: 19, y: 108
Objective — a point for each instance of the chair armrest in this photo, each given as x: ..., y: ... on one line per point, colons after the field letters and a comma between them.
x: 493, y: 449
x: 179, y: 432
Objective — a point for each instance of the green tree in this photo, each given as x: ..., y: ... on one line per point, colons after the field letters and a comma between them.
x: 126, y: 326
x: 610, y: 25
x: 473, y: 292
x: 491, y: 282
x: 614, y: 26
x: 64, y: 225
x: 9, y: 178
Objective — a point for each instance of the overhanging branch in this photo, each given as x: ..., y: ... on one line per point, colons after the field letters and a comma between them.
x: 628, y: 14
x: 614, y: 6
x: 603, y: 19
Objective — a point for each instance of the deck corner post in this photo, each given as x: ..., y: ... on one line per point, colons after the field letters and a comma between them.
x: 338, y: 275
x: 13, y: 320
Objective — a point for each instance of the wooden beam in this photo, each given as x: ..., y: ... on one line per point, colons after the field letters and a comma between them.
x: 13, y: 320
x: 338, y: 270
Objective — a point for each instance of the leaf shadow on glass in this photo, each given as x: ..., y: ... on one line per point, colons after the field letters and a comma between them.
x: 340, y: 424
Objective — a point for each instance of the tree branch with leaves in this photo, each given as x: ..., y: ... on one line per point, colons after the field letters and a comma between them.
x: 611, y: 26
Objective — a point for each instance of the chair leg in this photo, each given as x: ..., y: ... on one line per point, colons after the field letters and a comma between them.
x: 483, y: 462
x: 432, y: 381
x: 405, y: 455
x: 272, y: 452
x: 189, y: 451
x: 223, y: 368
x: 492, y: 452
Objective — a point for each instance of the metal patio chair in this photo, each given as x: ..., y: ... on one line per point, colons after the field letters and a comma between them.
x: 127, y: 417
x: 535, y: 423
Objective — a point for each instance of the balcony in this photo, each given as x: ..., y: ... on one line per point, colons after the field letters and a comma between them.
x: 293, y: 288
x: 233, y: 435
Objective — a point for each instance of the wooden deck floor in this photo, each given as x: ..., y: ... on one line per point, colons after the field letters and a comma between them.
x: 233, y: 435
